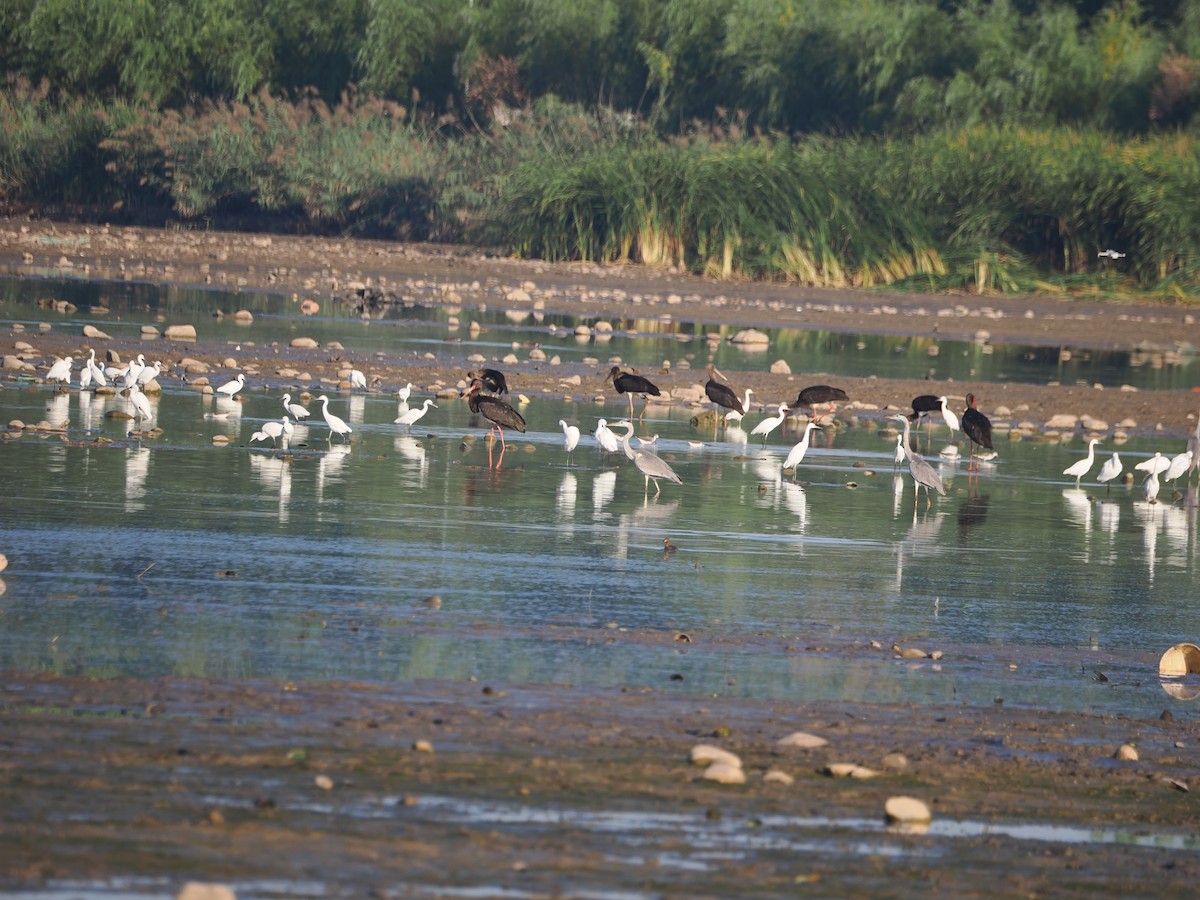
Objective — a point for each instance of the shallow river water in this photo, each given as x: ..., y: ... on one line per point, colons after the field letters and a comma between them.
x: 177, y: 556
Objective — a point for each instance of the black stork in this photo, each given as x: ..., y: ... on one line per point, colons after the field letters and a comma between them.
x: 977, y: 427
x: 493, y: 380
x: 810, y: 397
x: 722, y: 394
x: 496, y: 411
x: 924, y: 406
x: 625, y: 383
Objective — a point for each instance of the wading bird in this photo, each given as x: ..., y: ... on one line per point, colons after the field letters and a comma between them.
x: 410, y: 417
x: 1179, y: 465
x: 924, y: 405
x: 273, y: 430
x: 770, y: 423
x: 818, y: 394
x: 357, y: 379
x: 722, y: 394
x: 1083, y: 466
x: 140, y: 403
x: 230, y: 388
x: 336, y: 424
x: 61, y: 371
x: 605, y: 437
x: 1110, y: 471
x: 923, y: 475
x: 625, y: 383
x: 497, y: 412
x: 493, y: 381
x: 796, y: 456
x: 295, y: 410
x: 733, y: 416
x: 570, y: 437
x: 977, y: 427
x: 948, y: 416
x: 647, y: 463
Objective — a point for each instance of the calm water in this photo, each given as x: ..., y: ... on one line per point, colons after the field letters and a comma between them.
x: 179, y: 557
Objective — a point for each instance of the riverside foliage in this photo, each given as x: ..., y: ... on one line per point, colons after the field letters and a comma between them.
x: 980, y: 145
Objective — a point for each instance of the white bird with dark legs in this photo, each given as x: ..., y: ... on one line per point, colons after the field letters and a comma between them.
x: 1078, y: 469
x: 97, y: 369
x: 899, y: 457
x: 336, y: 425
x: 1179, y: 465
x: 149, y: 373
x: 412, y: 416
x: 570, y: 437
x: 733, y: 415
x: 647, y: 463
x: 134, y: 371
x: 796, y: 456
x: 1157, y: 464
x: 61, y: 371
x: 1110, y: 471
x: 923, y: 475
x: 605, y: 437
x: 140, y: 403
x: 274, y: 430
x: 295, y: 410
x: 85, y: 376
x: 357, y: 379
x: 948, y: 417
x: 230, y: 388
x: 1151, y: 486
x: 764, y: 428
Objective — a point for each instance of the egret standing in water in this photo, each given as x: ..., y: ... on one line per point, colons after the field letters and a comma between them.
x: 769, y: 424
x: 336, y: 424
x: 295, y: 410
x: 796, y: 456
x: 625, y: 383
x: 1081, y: 468
x: 357, y: 379
x: 410, y: 418
x: 570, y: 437
x: 230, y: 388
x: 647, y: 463
x: 61, y: 371
x: 273, y: 430
x: 922, y: 472
x: 1110, y: 471
x: 605, y: 437
x: 140, y: 403
x: 733, y: 416
x: 949, y: 417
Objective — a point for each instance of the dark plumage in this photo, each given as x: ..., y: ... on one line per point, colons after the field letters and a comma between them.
x: 625, y: 383
x: 818, y: 394
x: 496, y: 411
x: 924, y: 405
x: 493, y: 380
x: 976, y: 426
x: 722, y: 394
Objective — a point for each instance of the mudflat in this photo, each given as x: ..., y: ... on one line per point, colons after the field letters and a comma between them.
x: 532, y: 790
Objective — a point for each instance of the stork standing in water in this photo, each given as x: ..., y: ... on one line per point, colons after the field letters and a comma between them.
x: 978, y: 428
x: 649, y: 464
x: 497, y: 412
x: 625, y: 383
x: 922, y: 472
x: 723, y: 395
x: 924, y: 405
x: 811, y: 397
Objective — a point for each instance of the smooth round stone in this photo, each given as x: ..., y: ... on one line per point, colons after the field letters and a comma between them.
x: 198, y: 890
x: 774, y: 776
x: 725, y: 773
x: 304, y: 343
x: 324, y: 782
x: 706, y: 754
x: 1126, y: 752
x: 802, y: 740
x: 907, y: 809
x: 3, y: 562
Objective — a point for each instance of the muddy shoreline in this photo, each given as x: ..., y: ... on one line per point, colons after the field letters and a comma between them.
x: 547, y: 789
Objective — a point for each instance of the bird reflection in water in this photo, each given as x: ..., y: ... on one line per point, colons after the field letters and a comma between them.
x: 413, y: 451
x: 564, y: 499
x: 137, y: 467
x: 329, y: 468
x: 604, y: 488
x: 274, y: 474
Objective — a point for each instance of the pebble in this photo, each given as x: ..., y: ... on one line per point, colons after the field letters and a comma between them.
x: 849, y: 770
x: 895, y: 760
x: 198, y: 890
x: 91, y: 331
x: 780, y: 367
x: 304, y: 343
x: 725, y: 773
x: 180, y: 332
x: 802, y: 740
x: 1126, y: 752
x: 706, y: 754
x: 774, y: 776
x: 906, y: 809
x: 324, y: 782
x: 422, y: 746
x: 3, y: 562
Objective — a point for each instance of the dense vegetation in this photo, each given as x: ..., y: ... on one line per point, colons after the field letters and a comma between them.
x: 991, y: 145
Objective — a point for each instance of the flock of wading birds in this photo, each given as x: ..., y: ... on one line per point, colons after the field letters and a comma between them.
x: 487, y: 388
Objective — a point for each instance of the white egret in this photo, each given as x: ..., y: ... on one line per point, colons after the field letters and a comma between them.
x: 1150, y: 487
x: 769, y: 424
x: 1083, y: 466
x: 923, y: 475
x: 796, y: 456
x: 230, y: 388
x: 899, y: 458
x: 570, y: 437
x: 1179, y: 464
x: 336, y: 425
x: 148, y: 374
x: 647, y: 463
x: 134, y: 371
x: 85, y: 377
x: 140, y: 403
x: 61, y: 370
x: 948, y: 416
x: 605, y: 437
x: 273, y: 430
x: 357, y: 379
x: 733, y: 415
x: 1157, y: 464
x: 404, y: 393
x: 1193, y: 444
x: 1110, y: 470
x: 295, y: 410
x: 411, y: 417
x: 97, y: 370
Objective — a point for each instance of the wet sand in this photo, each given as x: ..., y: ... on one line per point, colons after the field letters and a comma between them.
x: 176, y: 779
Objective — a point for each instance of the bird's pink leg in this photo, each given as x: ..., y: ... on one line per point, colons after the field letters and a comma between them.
x: 503, y: 447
